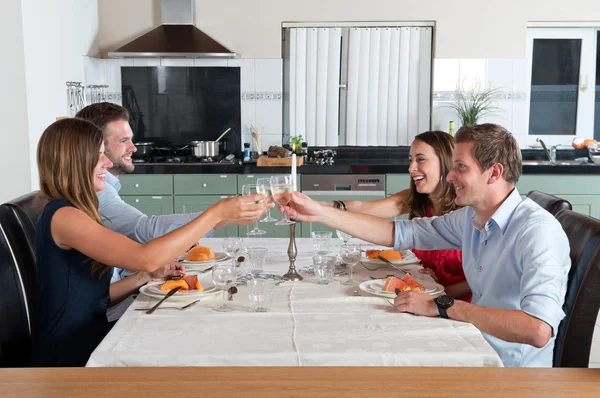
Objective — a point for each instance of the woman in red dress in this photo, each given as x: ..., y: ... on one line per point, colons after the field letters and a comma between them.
x: 429, y: 195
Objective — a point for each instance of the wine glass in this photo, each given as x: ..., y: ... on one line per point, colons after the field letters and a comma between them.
x: 282, y: 188
x: 247, y: 190
x: 224, y: 276
x: 231, y: 247
x: 350, y: 256
x: 263, y: 185
x: 344, y: 237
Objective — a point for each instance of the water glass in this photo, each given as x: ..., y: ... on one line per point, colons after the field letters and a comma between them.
x: 232, y: 247
x: 260, y: 294
x: 321, y: 241
x: 344, y: 237
x: 224, y: 276
x: 350, y: 256
x: 324, y: 268
x: 256, y: 259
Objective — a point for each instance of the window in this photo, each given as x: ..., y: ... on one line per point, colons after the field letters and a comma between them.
x: 562, y: 95
x: 357, y: 85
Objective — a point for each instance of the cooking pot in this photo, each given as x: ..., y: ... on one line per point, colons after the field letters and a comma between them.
x: 143, y: 149
x: 201, y: 149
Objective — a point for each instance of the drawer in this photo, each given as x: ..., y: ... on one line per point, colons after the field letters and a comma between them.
x: 251, y: 179
x: 136, y: 184
x: 205, y: 184
x: 150, y: 205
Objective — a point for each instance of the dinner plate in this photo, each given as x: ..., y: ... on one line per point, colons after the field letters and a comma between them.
x: 152, y: 289
x: 219, y: 257
x: 375, y: 287
x: 408, y: 258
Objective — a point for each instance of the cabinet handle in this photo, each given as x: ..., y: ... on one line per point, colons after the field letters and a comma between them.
x: 204, y: 185
x: 137, y: 201
x: 137, y: 185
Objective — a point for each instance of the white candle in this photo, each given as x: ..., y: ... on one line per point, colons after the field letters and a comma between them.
x: 294, y: 171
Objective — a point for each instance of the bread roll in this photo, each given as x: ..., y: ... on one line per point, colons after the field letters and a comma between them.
x: 200, y: 253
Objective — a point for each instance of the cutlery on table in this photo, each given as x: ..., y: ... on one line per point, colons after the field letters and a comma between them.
x: 171, y: 292
x: 171, y: 308
x: 388, y: 262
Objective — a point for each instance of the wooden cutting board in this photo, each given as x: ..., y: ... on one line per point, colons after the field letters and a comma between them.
x: 273, y: 162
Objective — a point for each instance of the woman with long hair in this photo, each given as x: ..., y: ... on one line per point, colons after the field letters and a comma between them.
x: 75, y: 251
x: 429, y: 195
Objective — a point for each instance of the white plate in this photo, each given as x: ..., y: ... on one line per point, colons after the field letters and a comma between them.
x: 219, y: 257
x: 152, y: 289
x: 375, y: 287
x: 408, y: 258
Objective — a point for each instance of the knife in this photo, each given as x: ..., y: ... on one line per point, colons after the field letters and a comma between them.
x: 385, y: 260
x: 171, y: 292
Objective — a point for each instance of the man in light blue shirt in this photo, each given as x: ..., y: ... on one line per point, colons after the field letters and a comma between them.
x: 515, y: 254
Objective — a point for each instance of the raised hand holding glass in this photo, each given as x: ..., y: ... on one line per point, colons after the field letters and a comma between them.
x: 247, y: 190
x: 263, y: 185
x: 282, y: 188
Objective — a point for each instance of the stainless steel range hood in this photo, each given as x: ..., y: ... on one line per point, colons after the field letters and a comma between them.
x: 177, y: 37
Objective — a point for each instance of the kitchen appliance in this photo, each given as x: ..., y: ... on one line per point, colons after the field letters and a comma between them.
x: 177, y: 37
x: 143, y: 149
x: 202, y: 149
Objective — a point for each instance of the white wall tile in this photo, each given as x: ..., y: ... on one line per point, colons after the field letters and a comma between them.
x: 210, y: 62
x: 500, y: 74
x: 269, y: 116
x: 521, y: 78
x: 146, y: 61
x: 268, y: 140
x: 248, y: 117
x: 445, y: 74
x: 471, y: 72
x: 268, y: 75
x: 520, y: 118
x: 93, y: 71
x: 441, y: 115
x: 177, y: 62
x: 113, y: 73
x: 247, y: 72
x: 503, y: 116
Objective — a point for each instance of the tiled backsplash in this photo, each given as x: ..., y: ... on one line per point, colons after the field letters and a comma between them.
x: 261, y: 88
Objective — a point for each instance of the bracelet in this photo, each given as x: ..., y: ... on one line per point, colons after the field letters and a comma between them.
x: 342, y: 205
x: 336, y: 204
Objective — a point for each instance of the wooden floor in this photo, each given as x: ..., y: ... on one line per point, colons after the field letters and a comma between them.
x: 299, y: 381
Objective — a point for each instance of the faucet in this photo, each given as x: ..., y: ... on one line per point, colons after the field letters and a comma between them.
x: 550, y: 153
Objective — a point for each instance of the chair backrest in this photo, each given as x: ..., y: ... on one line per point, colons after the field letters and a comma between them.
x: 582, y: 301
x: 27, y: 209
x: 15, y: 316
x: 552, y: 204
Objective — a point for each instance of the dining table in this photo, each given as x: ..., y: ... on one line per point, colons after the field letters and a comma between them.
x: 308, y: 324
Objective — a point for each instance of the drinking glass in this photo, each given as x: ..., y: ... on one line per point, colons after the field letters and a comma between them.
x: 260, y: 293
x: 324, y: 269
x: 263, y: 185
x: 350, y: 256
x: 321, y: 241
x: 344, y: 237
x: 247, y: 190
x: 256, y: 258
x: 232, y: 247
x: 224, y: 276
x: 282, y: 188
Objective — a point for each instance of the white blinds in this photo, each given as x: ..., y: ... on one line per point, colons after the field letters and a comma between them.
x: 389, y: 85
x: 314, y: 84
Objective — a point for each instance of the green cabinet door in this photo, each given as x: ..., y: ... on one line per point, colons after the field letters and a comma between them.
x: 198, y: 203
x: 150, y: 205
x: 150, y: 184
x: 395, y: 183
x: 585, y: 204
x: 307, y: 228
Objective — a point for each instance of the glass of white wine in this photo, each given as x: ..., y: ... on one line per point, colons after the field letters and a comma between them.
x: 263, y: 185
x: 282, y: 188
x: 247, y: 190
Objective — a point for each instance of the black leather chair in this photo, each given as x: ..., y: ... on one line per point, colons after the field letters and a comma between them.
x: 582, y: 301
x: 552, y: 204
x: 15, y: 319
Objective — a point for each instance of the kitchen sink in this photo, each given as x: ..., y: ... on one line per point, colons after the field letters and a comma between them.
x: 548, y: 163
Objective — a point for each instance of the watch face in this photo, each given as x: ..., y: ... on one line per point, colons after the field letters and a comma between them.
x: 444, y: 300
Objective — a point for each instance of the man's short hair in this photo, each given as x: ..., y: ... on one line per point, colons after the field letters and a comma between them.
x: 103, y: 113
x: 493, y: 144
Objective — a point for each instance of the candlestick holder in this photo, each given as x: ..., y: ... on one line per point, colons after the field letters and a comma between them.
x: 292, y: 274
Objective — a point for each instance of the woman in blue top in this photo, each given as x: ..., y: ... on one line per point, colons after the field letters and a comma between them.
x: 75, y: 252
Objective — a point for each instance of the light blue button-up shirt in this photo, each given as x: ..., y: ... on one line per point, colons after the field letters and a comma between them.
x: 518, y: 260
x: 129, y: 221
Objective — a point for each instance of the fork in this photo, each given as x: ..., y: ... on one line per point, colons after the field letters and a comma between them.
x: 171, y: 308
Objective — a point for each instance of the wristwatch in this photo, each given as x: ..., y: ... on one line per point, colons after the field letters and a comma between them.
x: 443, y: 303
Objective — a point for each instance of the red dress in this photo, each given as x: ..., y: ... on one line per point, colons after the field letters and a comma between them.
x: 445, y: 264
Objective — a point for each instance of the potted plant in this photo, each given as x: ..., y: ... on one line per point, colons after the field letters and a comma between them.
x: 295, y: 142
x: 471, y: 105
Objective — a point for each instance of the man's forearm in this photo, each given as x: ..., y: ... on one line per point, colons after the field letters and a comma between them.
x: 509, y: 325
x: 370, y: 228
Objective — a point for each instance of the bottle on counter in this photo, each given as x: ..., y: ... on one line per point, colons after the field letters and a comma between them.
x: 305, y: 148
x: 451, y: 128
x: 246, y: 152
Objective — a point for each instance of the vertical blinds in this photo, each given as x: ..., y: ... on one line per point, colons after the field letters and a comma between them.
x: 388, y: 84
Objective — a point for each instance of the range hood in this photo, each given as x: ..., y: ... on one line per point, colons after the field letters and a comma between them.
x: 177, y: 37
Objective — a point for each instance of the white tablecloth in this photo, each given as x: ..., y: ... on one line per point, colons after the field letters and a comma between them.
x: 308, y: 325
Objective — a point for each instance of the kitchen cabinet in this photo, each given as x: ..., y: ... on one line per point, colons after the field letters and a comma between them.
x: 150, y: 194
x: 197, y: 192
x: 395, y: 183
x: 583, y: 191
